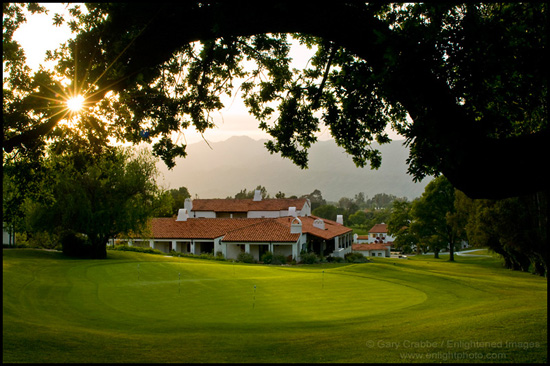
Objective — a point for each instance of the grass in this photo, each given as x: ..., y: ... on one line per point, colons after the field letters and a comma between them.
x: 136, y: 307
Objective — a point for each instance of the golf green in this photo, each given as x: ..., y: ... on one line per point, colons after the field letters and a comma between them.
x: 137, y: 307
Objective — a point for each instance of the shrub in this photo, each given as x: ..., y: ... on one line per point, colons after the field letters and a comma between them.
x: 245, y: 258
x: 309, y: 258
x: 335, y: 259
x: 267, y: 258
x: 354, y: 257
x: 41, y: 239
x: 278, y: 259
x: 128, y: 248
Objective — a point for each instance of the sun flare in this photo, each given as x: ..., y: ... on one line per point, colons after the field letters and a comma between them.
x: 76, y: 103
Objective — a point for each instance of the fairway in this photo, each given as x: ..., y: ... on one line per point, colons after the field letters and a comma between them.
x: 137, y: 307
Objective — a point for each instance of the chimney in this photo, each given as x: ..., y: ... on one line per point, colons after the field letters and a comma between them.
x: 340, y: 219
x: 296, y: 226
x: 257, y: 195
x: 292, y: 212
x: 182, y: 215
x: 188, y: 205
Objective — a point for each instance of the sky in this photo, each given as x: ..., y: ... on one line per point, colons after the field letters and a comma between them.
x: 39, y: 35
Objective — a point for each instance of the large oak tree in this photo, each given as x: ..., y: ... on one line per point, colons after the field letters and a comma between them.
x: 472, y: 77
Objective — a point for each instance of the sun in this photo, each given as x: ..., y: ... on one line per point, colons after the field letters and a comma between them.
x: 76, y: 103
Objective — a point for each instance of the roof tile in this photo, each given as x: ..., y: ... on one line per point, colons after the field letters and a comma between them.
x: 246, y: 205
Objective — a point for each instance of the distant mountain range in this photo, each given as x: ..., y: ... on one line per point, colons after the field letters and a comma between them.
x: 241, y: 162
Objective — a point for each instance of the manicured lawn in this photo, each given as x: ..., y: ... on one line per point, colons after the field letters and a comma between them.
x: 137, y: 307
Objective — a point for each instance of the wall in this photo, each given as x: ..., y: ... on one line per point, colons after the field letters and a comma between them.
x: 202, y: 214
x: 285, y: 250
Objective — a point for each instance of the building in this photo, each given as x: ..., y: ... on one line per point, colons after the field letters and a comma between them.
x: 253, y: 226
x: 373, y: 250
x: 376, y: 244
x: 247, y: 208
x: 377, y: 234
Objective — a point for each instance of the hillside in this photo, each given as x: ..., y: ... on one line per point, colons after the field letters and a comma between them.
x: 241, y: 162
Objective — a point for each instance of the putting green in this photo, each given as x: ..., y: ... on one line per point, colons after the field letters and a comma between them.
x: 183, y: 294
x: 137, y: 307
x: 188, y: 293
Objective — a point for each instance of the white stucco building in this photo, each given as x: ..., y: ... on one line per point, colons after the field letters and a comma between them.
x: 254, y: 226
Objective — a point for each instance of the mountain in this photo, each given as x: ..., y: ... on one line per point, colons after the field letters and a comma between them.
x: 229, y: 166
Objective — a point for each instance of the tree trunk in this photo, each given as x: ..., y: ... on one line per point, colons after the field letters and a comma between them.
x: 451, y: 251
x: 99, y: 249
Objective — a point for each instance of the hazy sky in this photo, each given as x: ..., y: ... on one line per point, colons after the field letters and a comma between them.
x: 39, y: 35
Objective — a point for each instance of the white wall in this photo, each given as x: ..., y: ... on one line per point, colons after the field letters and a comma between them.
x: 260, y: 214
x: 384, y: 238
x: 279, y: 249
x: 203, y: 214
x: 372, y: 253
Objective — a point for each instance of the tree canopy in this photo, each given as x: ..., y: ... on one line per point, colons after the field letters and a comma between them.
x: 472, y: 77
x: 85, y: 199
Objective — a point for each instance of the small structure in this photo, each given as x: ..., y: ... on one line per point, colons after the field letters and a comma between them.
x: 373, y: 250
x: 377, y: 234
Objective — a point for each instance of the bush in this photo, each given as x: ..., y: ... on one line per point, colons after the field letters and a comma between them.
x: 41, y: 239
x: 267, y: 258
x: 335, y: 259
x: 128, y: 248
x: 354, y: 257
x: 309, y: 258
x: 278, y: 259
x: 245, y: 258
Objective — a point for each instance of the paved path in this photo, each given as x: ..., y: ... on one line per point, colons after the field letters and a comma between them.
x: 464, y: 253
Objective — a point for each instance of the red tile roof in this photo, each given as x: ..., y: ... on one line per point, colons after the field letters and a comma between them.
x: 264, y: 231
x: 379, y: 228
x: 235, y: 230
x: 246, y: 205
x: 169, y: 228
x: 332, y: 228
x: 362, y: 247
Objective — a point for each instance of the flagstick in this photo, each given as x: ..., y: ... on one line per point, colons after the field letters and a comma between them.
x: 254, y: 302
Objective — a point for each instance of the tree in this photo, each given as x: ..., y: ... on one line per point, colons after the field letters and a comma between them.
x: 243, y: 194
x: 472, y: 77
x: 315, y: 198
x: 178, y: 198
x: 399, y: 226
x: 95, y: 198
x: 328, y: 212
x: 357, y: 218
x: 515, y: 228
x: 434, y: 217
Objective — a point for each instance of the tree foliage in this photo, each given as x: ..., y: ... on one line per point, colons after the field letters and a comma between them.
x: 399, y: 226
x: 95, y: 198
x: 178, y: 196
x: 435, y: 220
x: 516, y: 228
x: 244, y: 194
x: 472, y: 77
